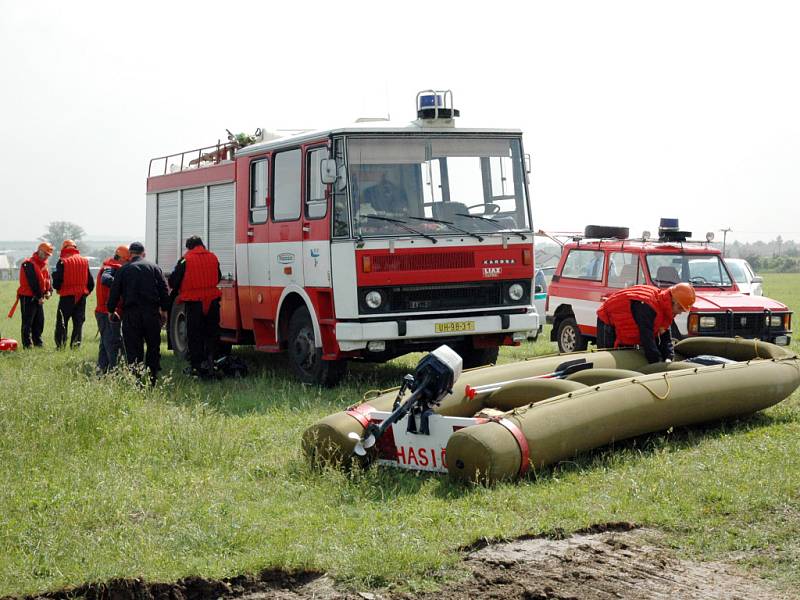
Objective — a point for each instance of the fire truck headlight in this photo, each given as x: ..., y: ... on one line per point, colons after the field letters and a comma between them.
x: 373, y: 299
x: 708, y: 322
x: 515, y: 292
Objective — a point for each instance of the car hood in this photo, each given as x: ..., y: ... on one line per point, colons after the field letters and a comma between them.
x: 715, y: 301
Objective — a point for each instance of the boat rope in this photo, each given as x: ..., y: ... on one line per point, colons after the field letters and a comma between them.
x: 755, y: 345
x: 372, y: 394
x: 666, y: 394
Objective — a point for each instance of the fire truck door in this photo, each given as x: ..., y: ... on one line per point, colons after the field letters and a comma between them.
x: 257, y: 306
x: 286, y: 225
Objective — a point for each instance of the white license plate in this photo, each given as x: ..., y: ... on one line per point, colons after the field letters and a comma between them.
x: 782, y: 340
x: 455, y: 327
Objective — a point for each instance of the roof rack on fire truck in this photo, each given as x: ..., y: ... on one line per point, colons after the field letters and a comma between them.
x: 207, y: 155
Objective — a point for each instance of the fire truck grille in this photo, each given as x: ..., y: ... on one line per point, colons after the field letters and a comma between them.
x: 437, y: 297
x: 447, y: 296
x: 422, y: 262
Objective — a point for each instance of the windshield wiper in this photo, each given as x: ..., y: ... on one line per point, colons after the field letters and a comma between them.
x: 449, y: 224
x: 493, y: 222
x: 403, y: 225
x: 707, y: 283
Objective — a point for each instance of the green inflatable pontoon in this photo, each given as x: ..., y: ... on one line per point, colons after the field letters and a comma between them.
x: 500, y: 422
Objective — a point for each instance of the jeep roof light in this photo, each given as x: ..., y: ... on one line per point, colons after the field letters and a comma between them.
x: 669, y: 231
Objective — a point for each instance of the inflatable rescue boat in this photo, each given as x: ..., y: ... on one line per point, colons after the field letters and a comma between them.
x: 500, y: 422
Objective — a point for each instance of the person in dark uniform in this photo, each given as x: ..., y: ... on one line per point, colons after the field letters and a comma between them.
x: 194, y: 279
x: 34, y: 288
x: 74, y: 283
x: 140, y: 288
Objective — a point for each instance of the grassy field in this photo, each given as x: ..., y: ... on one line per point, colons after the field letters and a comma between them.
x: 101, y: 479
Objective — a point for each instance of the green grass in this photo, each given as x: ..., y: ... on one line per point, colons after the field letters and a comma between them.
x: 101, y: 479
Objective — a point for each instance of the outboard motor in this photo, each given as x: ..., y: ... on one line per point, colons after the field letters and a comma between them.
x: 433, y: 378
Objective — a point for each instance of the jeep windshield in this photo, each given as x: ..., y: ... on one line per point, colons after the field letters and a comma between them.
x: 701, y: 270
x: 439, y: 185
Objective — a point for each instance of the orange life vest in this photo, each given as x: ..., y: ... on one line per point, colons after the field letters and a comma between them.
x: 76, y: 274
x: 616, y: 311
x: 42, y: 275
x: 101, y: 290
x: 199, y: 283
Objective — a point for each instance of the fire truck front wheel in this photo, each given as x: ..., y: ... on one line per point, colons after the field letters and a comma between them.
x: 569, y: 337
x: 305, y: 358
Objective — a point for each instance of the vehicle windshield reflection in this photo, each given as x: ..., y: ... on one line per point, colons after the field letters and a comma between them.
x: 701, y: 270
x: 444, y: 184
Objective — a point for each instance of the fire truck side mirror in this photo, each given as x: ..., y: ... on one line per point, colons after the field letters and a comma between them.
x: 327, y: 170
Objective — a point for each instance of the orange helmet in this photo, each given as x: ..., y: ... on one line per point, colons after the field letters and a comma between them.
x: 122, y: 252
x: 45, y: 247
x: 68, y: 244
x: 683, y: 294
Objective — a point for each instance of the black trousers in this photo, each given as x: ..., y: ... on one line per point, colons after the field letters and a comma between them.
x: 142, y: 327
x: 69, y: 309
x: 202, y: 332
x: 606, y: 335
x: 32, y: 314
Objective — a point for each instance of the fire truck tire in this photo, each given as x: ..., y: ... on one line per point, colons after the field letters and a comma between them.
x: 569, y: 337
x: 305, y: 358
x: 178, y: 340
x: 479, y: 357
x: 604, y: 231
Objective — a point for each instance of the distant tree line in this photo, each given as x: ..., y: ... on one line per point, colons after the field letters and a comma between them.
x: 58, y: 231
x: 778, y: 255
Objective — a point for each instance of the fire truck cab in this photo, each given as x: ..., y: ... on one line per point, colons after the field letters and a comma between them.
x: 362, y: 242
x: 604, y: 260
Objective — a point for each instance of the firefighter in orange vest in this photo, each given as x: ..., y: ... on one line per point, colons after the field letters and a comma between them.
x: 642, y: 315
x: 195, y: 280
x: 108, y: 328
x: 34, y: 288
x: 73, y: 282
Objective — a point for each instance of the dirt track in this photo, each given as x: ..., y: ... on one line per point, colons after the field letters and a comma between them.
x: 607, y: 562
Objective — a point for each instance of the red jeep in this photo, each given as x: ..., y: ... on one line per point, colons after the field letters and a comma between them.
x: 605, y: 260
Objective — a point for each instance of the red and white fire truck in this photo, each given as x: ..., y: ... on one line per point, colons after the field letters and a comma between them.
x: 362, y: 242
x: 604, y: 260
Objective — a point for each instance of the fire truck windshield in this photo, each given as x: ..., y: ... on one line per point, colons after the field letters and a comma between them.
x: 701, y: 270
x: 438, y: 185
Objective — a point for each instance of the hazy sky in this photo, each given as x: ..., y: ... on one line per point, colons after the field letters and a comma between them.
x: 631, y: 110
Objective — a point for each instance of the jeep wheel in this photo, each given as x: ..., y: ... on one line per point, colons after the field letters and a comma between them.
x: 305, y: 358
x: 569, y: 337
